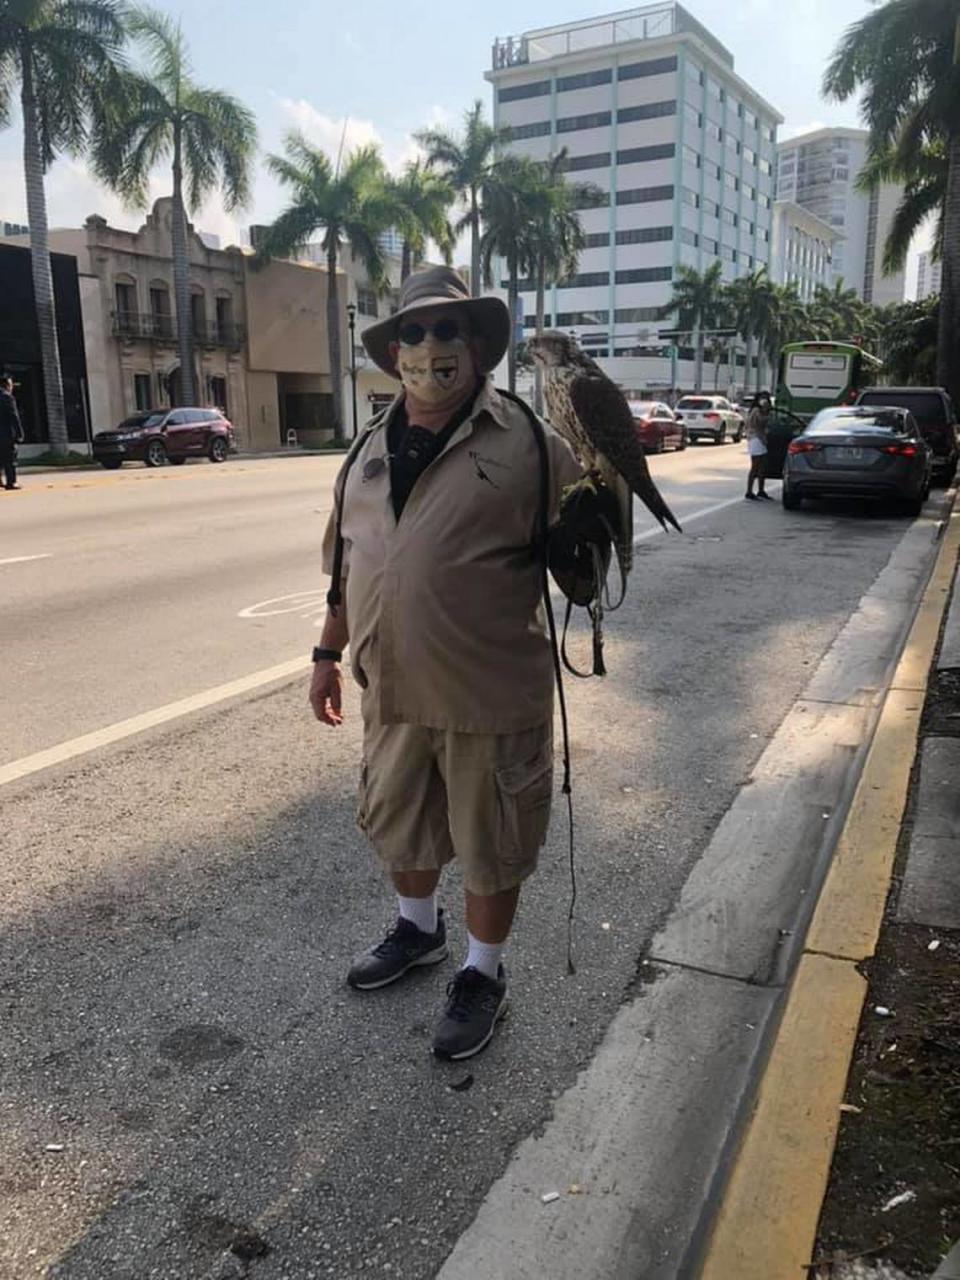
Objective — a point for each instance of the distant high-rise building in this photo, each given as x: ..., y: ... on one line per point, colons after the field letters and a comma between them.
x: 929, y: 275
x: 818, y: 171
x: 651, y: 112
x: 803, y: 249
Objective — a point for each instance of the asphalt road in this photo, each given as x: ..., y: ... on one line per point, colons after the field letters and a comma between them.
x: 182, y: 1068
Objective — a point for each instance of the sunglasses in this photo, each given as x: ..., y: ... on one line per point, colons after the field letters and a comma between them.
x: 411, y: 334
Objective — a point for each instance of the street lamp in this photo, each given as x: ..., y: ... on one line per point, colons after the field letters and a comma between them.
x: 352, y: 325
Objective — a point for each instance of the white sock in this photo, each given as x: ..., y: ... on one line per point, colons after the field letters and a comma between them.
x: 420, y: 911
x: 484, y: 956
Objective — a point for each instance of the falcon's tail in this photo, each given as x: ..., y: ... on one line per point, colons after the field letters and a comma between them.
x: 651, y: 497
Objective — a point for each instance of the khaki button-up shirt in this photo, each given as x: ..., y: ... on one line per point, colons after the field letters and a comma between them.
x: 444, y: 605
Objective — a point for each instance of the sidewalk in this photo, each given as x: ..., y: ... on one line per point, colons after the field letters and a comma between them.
x: 848, y: 1167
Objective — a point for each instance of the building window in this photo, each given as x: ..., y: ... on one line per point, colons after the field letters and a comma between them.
x: 709, y: 245
x: 689, y: 237
x: 749, y: 155
x: 515, y: 92
x: 141, y: 392
x: 160, y: 311
x: 728, y: 254
x: 540, y: 129
x: 530, y: 322
x: 764, y: 201
x: 714, y: 131
x: 596, y: 240
x: 645, y: 195
x: 644, y: 275
x: 125, y: 294
x: 367, y: 302
x: 637, y: 155
x: 729, y: 217
x: 644, y: 235
x: 593, y: 120
x: 566, y: 318
x: 690, y: 197
x: 694, y: 73
x: 636, y: 315
x: 731, y: 181
x: 653, y: 67
x: 591, y: 200
x: 218, y: 393
x: 713, y: 90
x: 711, y: 207
x: 691, y: 156
x: 693, y: 116
x: 585, y: 81
x: 763, y: 165
x: 198, y: 314
x: 225, y: 329
x: 597, y: 160
x: 647, y: 111
x: 586, y: 280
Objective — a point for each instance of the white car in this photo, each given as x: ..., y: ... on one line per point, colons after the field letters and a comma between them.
x: 711, y: 416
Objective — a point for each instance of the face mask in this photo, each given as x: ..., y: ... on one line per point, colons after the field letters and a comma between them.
x: 436, y: 371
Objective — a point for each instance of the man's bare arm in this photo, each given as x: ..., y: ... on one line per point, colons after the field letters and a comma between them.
x: 326, y: 686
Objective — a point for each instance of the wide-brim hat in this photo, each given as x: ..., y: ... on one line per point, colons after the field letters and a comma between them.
x: 442, y: 287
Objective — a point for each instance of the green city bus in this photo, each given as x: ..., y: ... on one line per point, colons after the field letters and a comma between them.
x: 814, y: 375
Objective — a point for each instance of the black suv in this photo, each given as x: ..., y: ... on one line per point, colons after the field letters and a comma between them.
x: 936, y: 418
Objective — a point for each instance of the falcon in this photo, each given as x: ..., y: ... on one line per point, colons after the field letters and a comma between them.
x: 593, y: 416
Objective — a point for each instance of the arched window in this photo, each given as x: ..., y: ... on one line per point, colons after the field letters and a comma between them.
x: 161, y: 315
x: 198, y: 312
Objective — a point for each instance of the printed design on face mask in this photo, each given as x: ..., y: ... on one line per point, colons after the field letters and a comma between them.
x: 446, y: 371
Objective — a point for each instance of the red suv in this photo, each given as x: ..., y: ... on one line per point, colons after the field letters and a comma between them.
x: 166, y: 435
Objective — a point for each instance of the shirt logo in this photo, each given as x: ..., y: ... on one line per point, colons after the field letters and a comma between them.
x: 481, y: 464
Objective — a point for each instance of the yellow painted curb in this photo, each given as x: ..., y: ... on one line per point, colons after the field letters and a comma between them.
x: 765, y: 1230
x: 766, y: 1226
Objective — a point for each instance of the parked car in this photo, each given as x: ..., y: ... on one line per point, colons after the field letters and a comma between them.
x: 935, y: 415
x: 859, y: 452
x: 657, y: 426
x: 710, y: 416
x: 782, y: 427
x: 166, y: 435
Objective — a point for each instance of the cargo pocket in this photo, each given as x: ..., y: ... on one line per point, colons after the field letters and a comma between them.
x: 524, y: 792
x: 362, y: 797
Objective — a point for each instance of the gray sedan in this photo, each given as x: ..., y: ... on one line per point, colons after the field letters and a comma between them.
x: 874, y: 452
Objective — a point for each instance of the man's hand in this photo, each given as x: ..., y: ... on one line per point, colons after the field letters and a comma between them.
x: 326, y: 692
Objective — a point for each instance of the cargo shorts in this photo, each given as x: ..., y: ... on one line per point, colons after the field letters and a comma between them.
x: 428, y: 796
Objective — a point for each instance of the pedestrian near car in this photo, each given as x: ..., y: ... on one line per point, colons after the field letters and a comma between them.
x: 11, y: 433
x: 438, y: 507
x: 757, y: 420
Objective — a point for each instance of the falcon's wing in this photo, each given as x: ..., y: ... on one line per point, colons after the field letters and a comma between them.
x: 606, y: 419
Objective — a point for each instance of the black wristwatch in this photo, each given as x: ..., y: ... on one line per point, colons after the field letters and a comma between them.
x: 326, y: 655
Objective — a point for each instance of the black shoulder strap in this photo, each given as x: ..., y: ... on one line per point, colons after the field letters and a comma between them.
x: 543, y: 538
x: 335, y: 595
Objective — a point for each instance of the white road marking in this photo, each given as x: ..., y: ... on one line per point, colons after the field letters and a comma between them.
x: 147, y: 720
x: 308, y: 601
x: 685, y: 520
x: 23, y: 559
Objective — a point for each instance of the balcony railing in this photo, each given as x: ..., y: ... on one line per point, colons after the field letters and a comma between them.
x: 651, y: 22
x: 148, y: 326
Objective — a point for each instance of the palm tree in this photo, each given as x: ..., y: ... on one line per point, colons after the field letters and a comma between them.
x: 905, y: 55
x: 695, y: 301
x: 923, y: 174
x: 423, y: 200
x: 63, y: 55
x: 787, y: 322
x: 351, y: 205
x: 559, y: 237
x: 209, y: 136
x: 909, y: 344
x: 510, y: 205
x: 751, y: 296
x: 466, y: 162
x: 836, y: 313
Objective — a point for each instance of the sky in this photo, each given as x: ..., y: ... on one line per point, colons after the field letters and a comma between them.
x: 386, y: 70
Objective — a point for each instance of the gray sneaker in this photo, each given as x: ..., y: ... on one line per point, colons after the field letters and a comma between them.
x: 475, y: 1004
x: 404, y: 948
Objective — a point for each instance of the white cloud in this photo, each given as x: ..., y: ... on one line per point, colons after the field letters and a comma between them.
x: 330, y: 132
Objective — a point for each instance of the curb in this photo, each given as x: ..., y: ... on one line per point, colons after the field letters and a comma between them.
x: 26, y: 469
x: 764, y: 1227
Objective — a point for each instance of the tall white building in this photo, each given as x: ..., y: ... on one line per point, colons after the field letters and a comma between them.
x: 650, y: 110
x: 929, y: 275
x: 803, y: 249
x: 818, y: 171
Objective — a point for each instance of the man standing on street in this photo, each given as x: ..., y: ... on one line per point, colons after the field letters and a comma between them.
x: 442, y: 586
x: 757, y: 420
x: 11, y: 433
